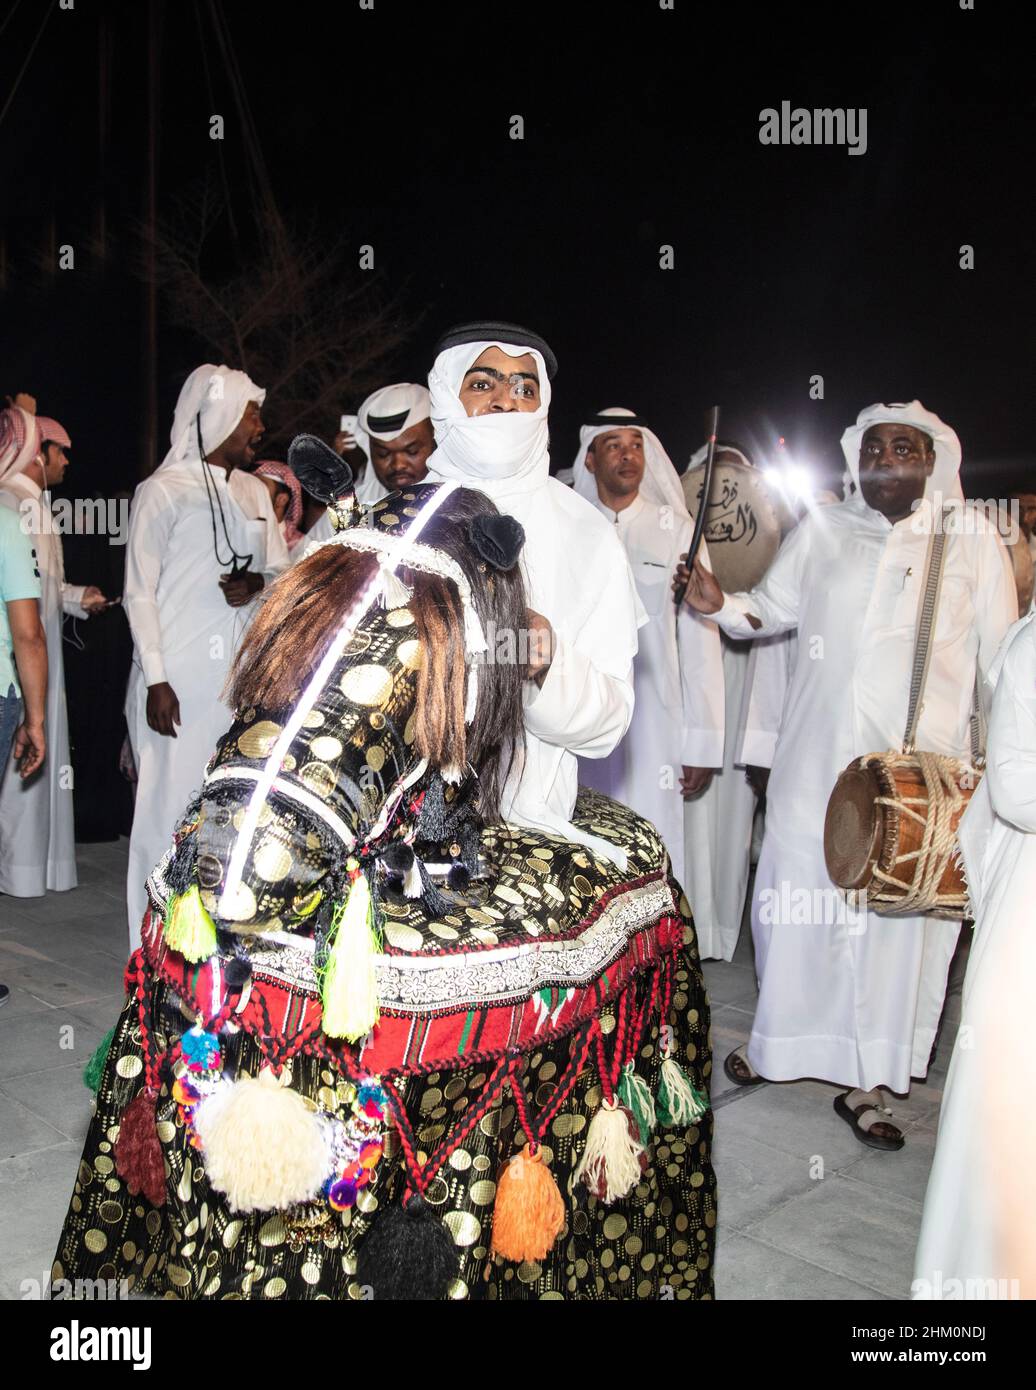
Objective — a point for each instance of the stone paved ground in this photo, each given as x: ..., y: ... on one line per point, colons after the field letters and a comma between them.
x: 784, y: 1232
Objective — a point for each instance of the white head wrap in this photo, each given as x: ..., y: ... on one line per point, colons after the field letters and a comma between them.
x: 220, y: 395
x: 19, y: 441
x: 507, y: 449
x: 405, y: 404
x: 392, y: 409
x: 660, y: 483
x: 944, y: 483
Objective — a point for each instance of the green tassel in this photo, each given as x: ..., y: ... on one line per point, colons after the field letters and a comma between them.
x: 94, y: 1069
x: 678, y: 1102
x: 635, y: 1095
x: 349, y: 991
x: 188, y: 928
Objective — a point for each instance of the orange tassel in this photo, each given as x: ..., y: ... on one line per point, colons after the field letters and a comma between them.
x: 529, y: 1212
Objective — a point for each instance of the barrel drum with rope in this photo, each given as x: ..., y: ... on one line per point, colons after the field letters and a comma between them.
x: 891, y: 832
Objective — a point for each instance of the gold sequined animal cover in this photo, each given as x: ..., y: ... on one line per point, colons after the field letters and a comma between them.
x: 377, y: 1043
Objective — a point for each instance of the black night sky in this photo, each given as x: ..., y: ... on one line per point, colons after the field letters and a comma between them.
x: 390, y: 127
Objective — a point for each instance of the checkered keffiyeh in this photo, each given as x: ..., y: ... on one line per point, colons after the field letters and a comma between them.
x: 270, y: 468
x: 53, y: 433
x: 19, y: 440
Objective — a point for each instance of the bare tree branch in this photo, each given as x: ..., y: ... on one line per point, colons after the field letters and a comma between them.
x: 298, y: 314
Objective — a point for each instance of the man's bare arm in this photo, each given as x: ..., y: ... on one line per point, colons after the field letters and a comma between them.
x: 30, y: 655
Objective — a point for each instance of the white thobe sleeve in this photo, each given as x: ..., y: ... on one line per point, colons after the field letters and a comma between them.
x: 997, y: 603
x: 1011, y: 769
x: 586, y: 701
x: 775, y: 602
x: 700, y: 654
x: 151, y: 522
x: 72, y: 599
x: 71, y: 594
x: 766, y: 685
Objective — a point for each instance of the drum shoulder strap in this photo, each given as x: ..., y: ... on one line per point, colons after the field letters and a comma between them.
x: 930, y: 586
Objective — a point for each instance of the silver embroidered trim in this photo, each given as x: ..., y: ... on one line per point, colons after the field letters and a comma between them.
x: 416, y: 984
x: 420, y: 984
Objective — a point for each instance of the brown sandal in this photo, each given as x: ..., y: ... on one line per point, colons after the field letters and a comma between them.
x: 865, y: 1118
x: 740, y: 1069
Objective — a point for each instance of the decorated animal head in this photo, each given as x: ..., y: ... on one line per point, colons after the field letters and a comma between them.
x: 364, y: 706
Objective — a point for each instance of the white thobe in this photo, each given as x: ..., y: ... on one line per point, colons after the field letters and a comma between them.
x: 185, y: 633
x: 577, y: 576
x: 718, y: 823
x: 962, y: 1228
x: 856, y: 998
x: 37, y: 827
x: 677, y: 682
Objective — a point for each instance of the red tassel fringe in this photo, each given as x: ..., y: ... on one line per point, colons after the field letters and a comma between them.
x: 138, y: 1150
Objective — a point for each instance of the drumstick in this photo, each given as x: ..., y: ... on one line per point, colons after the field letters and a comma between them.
x: 712, y: 428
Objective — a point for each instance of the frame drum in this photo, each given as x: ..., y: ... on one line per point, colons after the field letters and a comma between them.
x: 743, y: 526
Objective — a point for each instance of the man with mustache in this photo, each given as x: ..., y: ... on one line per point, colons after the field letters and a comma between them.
x: 203, y: 541
x: 399, y: 439
x: 852, y: 997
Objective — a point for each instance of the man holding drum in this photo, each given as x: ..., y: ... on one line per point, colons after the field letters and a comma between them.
x: 846, y: 995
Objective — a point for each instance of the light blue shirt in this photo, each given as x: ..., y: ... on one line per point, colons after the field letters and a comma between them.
x: 19, y: 578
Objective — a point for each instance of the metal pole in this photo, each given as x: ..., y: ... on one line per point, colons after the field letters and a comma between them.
x: 712, y: 429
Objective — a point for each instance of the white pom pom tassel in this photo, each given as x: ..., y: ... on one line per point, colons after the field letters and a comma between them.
x: 611, y: 1164
x: 263, y: 1149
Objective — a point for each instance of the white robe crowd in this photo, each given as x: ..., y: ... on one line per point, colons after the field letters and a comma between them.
x: 635, y: 692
